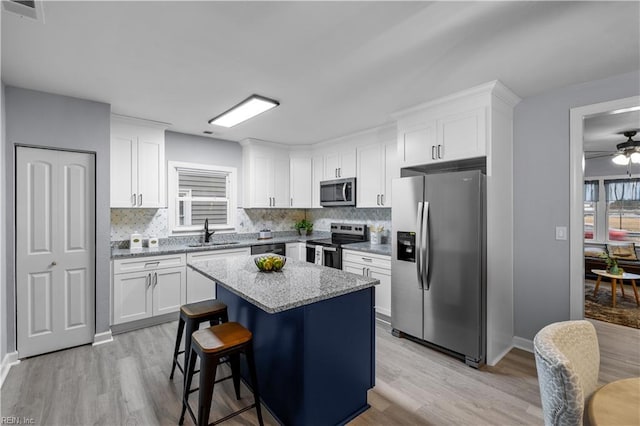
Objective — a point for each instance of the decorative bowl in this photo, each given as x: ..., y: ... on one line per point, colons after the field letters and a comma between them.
x: 270, y: 263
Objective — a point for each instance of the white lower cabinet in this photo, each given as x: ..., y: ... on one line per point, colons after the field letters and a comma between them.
x: 375, y: 266
x: 200, y: 287
x: 296, y: 251
x: 148, y: 286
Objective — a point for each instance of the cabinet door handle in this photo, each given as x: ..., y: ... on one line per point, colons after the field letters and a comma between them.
x: 155, y: 279
x: 274, y: 201
x: 133, y: 199
x: 147, y: 281
x: 439, y: 151
x: 378, y: 199
x: 382, y: 199
x: 339, y: 171
x: 291, y: 205
x: 369, y: 272
x: 363, y: 274
x: 433, y: 152
x: 140, y: 199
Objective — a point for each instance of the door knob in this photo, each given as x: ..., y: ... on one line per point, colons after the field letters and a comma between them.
x: 54, y: 263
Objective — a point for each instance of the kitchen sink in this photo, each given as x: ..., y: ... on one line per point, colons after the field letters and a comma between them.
x: 213, y: 244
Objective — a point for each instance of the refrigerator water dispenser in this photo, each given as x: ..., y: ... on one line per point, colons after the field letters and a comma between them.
x: 407, y: 246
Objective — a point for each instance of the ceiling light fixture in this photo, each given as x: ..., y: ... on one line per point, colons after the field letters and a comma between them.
x: 250, y: 107
x: 628, y: 151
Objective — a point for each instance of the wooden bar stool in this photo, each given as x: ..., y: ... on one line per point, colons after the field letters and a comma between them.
x: 191, y: 316
x: 229, y: 339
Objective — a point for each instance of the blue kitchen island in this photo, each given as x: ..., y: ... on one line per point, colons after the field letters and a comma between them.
x: 314, y: 335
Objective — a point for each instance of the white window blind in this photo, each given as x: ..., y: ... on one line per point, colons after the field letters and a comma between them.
x: 201, y: 192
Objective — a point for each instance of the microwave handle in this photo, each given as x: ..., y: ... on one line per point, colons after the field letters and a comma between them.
x: 344, y: 191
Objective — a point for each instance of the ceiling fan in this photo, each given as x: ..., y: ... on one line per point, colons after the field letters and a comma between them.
x: 627, y: 152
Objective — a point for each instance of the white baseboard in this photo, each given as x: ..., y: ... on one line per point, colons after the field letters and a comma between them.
x: 100, y: 338
x: 8, y: 361
x: 522, y: 343
x: 496, y: 359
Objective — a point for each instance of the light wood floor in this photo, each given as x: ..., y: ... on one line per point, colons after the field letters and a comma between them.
x: 126, y: 383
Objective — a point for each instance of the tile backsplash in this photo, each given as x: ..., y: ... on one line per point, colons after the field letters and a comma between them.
x: 154, y: 222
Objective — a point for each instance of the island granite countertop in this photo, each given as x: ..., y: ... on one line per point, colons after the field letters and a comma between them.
x: 298, y: 284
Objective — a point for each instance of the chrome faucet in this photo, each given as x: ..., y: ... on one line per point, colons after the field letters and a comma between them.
x: 207, y: 234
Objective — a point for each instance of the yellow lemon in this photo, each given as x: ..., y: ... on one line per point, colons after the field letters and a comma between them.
x: 268, y: 265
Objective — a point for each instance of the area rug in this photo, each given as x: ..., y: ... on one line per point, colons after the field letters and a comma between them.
x: 625, y: 313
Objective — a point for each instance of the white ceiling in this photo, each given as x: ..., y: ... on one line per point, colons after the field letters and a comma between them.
x: 336, y: 67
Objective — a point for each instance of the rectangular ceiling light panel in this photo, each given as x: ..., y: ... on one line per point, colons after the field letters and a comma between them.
x: 250, y: 107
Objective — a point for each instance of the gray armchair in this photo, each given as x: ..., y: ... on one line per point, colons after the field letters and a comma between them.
x: 568, y: 362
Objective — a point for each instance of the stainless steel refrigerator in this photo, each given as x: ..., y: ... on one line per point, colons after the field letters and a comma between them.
x: 438, y: 275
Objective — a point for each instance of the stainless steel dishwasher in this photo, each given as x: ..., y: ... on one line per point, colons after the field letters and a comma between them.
x: 278, y: 248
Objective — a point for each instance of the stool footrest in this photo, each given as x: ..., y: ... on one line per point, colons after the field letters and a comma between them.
x: 235, y: 413
x: 217, y: 381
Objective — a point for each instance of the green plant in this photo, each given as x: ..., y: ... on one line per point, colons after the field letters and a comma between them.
x: 612, y: 263
x: 303, y: 224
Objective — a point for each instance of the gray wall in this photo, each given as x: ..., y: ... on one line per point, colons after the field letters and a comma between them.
x: 42, y: 119
x: 198, y: 149
x: 541, y: 197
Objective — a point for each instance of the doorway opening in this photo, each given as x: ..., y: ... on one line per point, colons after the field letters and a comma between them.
x: 598, y: 203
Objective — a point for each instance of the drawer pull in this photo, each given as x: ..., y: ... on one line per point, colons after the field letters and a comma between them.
x: 367, y: 259
x: 150, y: 264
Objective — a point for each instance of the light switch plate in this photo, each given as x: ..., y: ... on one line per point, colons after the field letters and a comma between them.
x: 561, y: 232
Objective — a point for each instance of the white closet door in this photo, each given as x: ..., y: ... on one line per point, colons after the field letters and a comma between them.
x: 55, y: 249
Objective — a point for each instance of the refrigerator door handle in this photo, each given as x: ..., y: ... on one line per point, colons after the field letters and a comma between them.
x: 425, y: 244
x: 418, y: 247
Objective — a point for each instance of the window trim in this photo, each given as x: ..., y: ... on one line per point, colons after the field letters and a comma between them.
x: 172, y: 193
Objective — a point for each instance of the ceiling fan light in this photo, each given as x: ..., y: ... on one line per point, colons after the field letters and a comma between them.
x: 635, y: 157
x: 620, y: 159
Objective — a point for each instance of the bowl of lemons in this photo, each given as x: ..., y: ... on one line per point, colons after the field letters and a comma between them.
x: 270, y: 263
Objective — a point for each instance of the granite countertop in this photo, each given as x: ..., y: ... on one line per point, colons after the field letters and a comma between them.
x: 298, y: 284
x: 383, y: 249
x: 119, y: 253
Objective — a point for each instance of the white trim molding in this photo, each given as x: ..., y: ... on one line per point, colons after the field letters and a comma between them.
x: 576, y: 173
x: 100, y: 338
x: 8, y: 361
x: 522, y: 343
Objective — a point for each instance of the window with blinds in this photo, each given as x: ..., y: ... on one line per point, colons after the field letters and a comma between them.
x: 201, y: 192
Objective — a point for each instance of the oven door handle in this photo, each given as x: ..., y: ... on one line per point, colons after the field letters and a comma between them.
x: 329, y: 249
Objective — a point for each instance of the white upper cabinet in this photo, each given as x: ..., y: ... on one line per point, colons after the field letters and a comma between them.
x: 138, y: 173
x: 317, y: 176
x: 444, y: 130
x: 300, y: 175
x: 462, y: 135
x: 340, y: 163
x: 377, y: 165
x: 266, y: 177
x: 370, y: 171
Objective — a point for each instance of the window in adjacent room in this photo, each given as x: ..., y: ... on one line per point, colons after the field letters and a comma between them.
x: 623, y: 209
x: 591, y: 189
x: 198, y: 192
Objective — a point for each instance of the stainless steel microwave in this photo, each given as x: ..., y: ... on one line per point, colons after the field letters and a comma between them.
x: 338, y: 192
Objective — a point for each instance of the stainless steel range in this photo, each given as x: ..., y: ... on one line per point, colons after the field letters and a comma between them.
x: 328, y: 251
